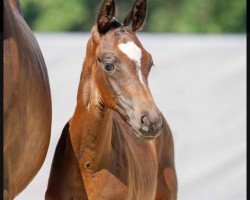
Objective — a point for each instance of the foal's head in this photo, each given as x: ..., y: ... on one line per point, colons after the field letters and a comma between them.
x: 120, y: 67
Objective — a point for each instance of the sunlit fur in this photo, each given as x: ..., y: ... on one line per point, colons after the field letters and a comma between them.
x: 27, y: 103
x: 100, y: 155
x: 142, y: 171
x: 102, y: 140
x: 22, y: 34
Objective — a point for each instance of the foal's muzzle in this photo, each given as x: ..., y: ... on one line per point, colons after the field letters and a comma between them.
x: 150, y: 125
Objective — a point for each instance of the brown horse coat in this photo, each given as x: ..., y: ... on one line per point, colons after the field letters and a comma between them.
x: 117, y: 145
x: 27, y: 103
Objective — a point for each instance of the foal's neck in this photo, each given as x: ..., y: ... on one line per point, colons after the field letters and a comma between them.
x: 91, y: 128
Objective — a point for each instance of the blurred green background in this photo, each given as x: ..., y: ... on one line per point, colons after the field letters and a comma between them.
x: 175, y: 16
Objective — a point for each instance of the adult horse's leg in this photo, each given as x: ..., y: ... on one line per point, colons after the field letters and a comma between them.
x: 65, y: 180
x: 167, y: 181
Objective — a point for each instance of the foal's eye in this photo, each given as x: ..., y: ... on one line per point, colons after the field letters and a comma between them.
x: 109, y: 67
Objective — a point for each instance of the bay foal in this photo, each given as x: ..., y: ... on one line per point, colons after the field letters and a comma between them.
x: 117, y: 145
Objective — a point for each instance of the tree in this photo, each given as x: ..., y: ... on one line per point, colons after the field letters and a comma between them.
x: 184, y: 16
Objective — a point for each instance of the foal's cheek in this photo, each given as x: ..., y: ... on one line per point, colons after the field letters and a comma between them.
x: 106, y: 90
x: 114, y: 85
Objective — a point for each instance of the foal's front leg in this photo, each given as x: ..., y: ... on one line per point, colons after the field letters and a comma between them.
x: 65, y: 180
x: 167, y: 184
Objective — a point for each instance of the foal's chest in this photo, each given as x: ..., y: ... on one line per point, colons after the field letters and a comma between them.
x: 104, y: 185
x: 135, y: 161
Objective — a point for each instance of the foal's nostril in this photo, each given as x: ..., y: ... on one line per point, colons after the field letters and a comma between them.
x: 157, y: 130
x: 145, y: 123
x: 145, y: 120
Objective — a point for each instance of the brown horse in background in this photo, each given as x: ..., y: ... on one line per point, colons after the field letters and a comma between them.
x: 27, y: 103
x: 117, y: 145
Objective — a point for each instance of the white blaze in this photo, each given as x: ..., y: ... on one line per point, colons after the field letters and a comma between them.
x: 134, y: 53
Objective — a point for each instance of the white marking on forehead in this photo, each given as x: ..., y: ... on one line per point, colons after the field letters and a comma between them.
x: 134, y: 53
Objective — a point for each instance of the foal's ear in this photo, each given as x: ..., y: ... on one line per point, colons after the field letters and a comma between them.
x: 105, y: 15
x: 137, y: 16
